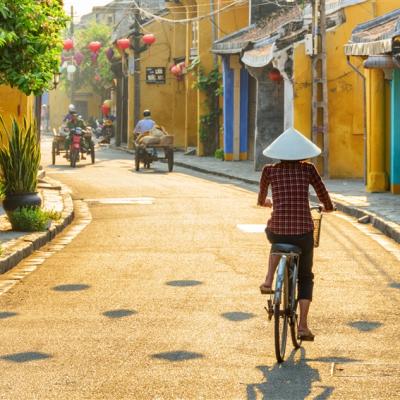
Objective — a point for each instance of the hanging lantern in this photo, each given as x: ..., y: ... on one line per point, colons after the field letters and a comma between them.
x: 68, y: 44
x: 78, y: 57
x: 94, y: 46
x: 109, y: 53
x: 105, y: 109
x: 149, y: 39
x: 275, y: 75
x: 71, y: 68
x: 123, y: 44
x: 175, y: 70
x: 94, y: 57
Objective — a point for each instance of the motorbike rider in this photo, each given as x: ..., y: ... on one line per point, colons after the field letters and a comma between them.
x: 73, y: 123
x: 71, y: 111
x: 143, y: 127
x: 145, y: 124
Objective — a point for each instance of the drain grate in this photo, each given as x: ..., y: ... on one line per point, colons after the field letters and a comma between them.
x: 123, y: 200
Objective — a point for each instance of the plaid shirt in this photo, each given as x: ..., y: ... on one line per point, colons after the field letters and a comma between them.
x: 290, y: 182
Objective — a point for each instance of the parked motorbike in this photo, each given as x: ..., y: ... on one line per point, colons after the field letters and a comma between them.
x: 107, y: 131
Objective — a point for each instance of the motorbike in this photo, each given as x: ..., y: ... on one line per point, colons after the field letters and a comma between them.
x: 107, y: 131
x: 81, y: 143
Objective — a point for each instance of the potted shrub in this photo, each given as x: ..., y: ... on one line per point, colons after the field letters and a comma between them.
x: 19, y: 163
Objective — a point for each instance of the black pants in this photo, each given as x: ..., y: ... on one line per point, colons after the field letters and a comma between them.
x: 306, y: 243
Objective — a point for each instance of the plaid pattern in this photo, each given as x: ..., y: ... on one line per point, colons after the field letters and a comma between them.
x: 290, y: 182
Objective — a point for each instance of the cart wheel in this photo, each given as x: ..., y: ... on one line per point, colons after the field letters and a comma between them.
x: 170, y: 160
x: 73, y: 157
x: 92, y: 154
x: 137, y: 160
x: 53, y: 153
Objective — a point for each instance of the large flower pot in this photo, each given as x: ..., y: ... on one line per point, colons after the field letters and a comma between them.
x: 13, y: 201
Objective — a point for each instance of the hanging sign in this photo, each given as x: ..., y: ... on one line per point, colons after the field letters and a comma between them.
x: 155, y: 75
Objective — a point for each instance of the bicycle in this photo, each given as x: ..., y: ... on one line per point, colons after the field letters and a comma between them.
x: 283, y: 303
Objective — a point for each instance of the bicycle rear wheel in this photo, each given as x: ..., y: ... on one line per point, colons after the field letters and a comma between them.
x: 293, y: 304
x: 281, y: 320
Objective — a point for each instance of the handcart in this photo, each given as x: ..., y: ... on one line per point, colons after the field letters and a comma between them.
x: 146, y: 153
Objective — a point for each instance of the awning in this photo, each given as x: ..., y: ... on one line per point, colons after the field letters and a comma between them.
x: 259, y: 57
x: 375, y: 37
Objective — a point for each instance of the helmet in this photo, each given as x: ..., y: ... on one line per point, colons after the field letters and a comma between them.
x: 146, y: 113
x: 71, y: 108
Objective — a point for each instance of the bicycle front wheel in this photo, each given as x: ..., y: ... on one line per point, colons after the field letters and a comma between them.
x: 281, y: 319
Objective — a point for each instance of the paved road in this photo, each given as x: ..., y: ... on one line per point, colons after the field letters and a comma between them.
x: 154, y: 295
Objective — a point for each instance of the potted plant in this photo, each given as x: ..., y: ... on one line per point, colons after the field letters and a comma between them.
x: 19, y: 164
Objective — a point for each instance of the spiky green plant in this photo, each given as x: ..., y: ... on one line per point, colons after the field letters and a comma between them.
x: 19, y: 157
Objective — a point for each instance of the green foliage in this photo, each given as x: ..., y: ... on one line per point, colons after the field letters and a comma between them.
x: 219, y: 154
x: 30, y: 43
x: 210, y: 85
x: 19, y: 157
x: 30, y: 219
x: 84, y: 77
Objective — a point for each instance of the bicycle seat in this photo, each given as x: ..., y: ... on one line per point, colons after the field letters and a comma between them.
x: 285, y: 248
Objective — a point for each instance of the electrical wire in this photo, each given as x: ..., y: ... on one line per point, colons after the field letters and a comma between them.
x: 185, y: 20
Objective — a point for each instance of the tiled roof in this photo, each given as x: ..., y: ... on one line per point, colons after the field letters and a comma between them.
x: 376, y: 36
x: 237, y: 41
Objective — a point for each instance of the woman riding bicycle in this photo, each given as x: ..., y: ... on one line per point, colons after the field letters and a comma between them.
x: 291, y: 220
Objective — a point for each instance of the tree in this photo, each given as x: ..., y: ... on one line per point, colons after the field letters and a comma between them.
x: 30, y: 43
x: 94, y: 74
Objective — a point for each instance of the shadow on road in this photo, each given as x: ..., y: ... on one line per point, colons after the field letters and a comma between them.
x: 119, y: 313
x: 7, y: 314
x: 177, y: 355
x: 291, y: 380
x: 70, y: 288
x: 365, y: 326
x: 184, y: 283
x: 237, y: 316
x: 25, y: 357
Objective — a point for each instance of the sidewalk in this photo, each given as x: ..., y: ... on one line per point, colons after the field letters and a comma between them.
x: 382, y: 210
x: 18, y: 245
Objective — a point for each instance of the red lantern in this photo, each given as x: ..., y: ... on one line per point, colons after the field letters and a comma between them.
x: 275, y: 75
x: 123, y: 44
x: 149, y: 39
x: 105, y: 109
x: 94, y: 46
x: 68, y: 44
x: 175, y: 70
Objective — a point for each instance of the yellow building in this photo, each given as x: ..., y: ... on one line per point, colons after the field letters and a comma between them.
x: 347, y: 128
x: 277, y: 57
x: 15, y: 104
x: 173, y: 100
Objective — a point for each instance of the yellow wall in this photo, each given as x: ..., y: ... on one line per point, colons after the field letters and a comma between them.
x: 344, y: 91
x: 15, y: 104
x: 59, y: 101
x: 176, y: 104
x: 166, y: 101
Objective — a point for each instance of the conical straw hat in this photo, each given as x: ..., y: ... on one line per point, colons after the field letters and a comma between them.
x: 292, y: 145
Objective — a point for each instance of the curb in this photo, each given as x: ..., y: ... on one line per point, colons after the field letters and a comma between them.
x: 31, y: 242
x: 389, y: 229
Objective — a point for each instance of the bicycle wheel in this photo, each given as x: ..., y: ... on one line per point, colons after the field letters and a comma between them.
x: 293, y: 304
x: 281, y: 320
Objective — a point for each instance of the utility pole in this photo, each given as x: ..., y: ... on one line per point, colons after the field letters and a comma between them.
x: 320, y: 121
x: 71, y: 31
x: 136, y: 58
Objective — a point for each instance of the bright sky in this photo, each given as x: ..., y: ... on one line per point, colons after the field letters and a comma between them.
x: 82, y: 7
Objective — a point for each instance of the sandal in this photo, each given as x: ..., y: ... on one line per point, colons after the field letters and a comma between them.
x: 264, y: 289
x: 305, y: 336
